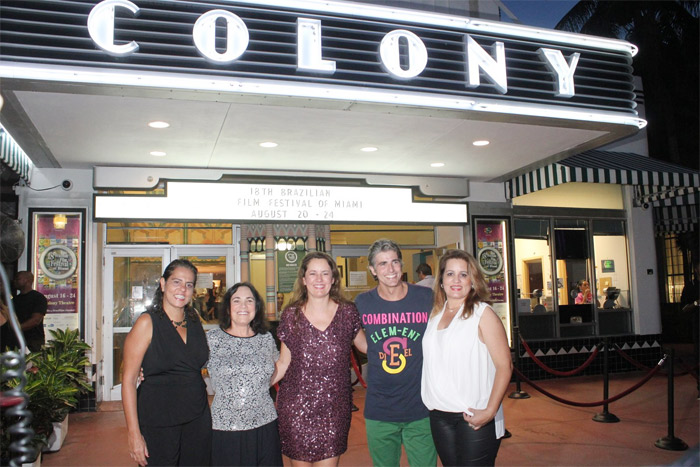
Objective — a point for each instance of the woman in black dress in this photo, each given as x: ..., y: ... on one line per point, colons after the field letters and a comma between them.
x: 168, y: 418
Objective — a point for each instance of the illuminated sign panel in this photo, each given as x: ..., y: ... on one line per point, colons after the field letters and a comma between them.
x: 199, y: 201
x: 323, y: 50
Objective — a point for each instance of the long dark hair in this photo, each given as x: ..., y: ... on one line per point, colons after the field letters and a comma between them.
x: 301, y: 294
x: 259, y: 323
x: 157, y: 302
x: 479, y: 292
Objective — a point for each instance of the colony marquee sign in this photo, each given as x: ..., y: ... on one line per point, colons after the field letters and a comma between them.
x: 309, y: 48
x: 328, y: 49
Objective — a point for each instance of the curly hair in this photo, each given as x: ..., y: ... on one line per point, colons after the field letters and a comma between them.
x: 157, y: 302
x: 259, y: 323
x: 479, y: 292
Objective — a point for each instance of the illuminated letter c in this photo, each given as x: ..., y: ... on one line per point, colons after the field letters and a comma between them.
x: 100, y: 25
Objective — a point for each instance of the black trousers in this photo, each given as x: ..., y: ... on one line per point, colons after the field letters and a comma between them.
x: 458, y: 444
x: 187, y: 444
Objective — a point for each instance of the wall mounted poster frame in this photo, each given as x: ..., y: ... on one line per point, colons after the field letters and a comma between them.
x: 491, y: 250
x: 57, y: 259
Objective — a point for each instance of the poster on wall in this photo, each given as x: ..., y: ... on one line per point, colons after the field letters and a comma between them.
x: 57, y: 265
x: 491, y: 255
x: 288, y: 263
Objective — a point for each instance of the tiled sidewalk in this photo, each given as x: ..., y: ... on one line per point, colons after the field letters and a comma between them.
x: 544, y: 432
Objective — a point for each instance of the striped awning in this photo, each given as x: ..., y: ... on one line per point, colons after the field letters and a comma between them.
x: 669, y: 219
x: 622, y: 168
x: 13, y: 155
x: 672, y: 190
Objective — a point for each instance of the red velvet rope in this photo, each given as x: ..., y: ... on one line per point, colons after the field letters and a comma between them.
x: 594, y: 404
x: 639, y: 366
x: 557, y: 372
x: 357, y: 369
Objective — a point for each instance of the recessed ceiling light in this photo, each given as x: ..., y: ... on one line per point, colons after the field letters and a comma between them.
x: 481, y: 142
x: 369, y: 149
x: 158, y: 124
x: 437, y: 164
x: 268, y: 144
x: 157, y: 153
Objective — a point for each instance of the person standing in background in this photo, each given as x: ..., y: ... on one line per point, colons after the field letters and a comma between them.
x: 394, y: 315
x: 30, y: 307
x: 425, y: 275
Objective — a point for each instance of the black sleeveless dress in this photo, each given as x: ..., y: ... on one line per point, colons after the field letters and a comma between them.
x: 173, y: 391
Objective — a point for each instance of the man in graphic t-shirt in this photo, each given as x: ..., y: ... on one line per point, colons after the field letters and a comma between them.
x: 394, y: 316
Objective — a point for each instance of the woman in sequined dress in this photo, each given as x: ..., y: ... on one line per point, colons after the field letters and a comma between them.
x: 317, y: 331
x: 242, y: 355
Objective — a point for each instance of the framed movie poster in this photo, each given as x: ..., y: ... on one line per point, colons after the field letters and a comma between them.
x: 491, y: 238
x: 57, y: 260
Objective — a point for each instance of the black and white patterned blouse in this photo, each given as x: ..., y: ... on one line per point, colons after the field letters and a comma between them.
x: 240, y: 370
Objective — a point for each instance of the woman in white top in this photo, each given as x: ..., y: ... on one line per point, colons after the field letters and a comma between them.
x: 466, y: 365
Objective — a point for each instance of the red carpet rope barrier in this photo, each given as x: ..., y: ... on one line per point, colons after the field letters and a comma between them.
x: 356, y: 367
x: 639, y: 366
x: 557, y: 372
x: 594, y: 404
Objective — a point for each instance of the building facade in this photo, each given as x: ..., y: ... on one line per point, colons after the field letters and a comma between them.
x: 306, y: 125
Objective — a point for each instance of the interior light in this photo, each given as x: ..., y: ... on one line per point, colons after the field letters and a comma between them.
x: 158, y: 153
x: 158, y: 124
x: 268, y: 144
x: 437, y: 164
x: 60, y: 221
x: 481, y: 142
x: 369, y: 149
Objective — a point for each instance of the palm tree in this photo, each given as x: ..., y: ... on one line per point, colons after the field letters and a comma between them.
x: 666, y: 33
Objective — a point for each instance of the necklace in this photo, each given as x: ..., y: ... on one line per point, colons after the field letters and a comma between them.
x: 182, y: 324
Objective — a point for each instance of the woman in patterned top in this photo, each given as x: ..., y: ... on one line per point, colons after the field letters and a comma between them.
x: 242, y: 355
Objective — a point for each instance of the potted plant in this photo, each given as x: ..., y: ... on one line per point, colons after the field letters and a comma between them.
x: 54, y: 381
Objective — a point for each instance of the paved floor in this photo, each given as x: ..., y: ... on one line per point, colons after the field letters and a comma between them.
x: 544, y: 432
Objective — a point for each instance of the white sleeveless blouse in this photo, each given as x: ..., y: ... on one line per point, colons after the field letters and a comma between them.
x: 458, y: 371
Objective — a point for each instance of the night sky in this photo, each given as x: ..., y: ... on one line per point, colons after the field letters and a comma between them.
x: 540, y: 13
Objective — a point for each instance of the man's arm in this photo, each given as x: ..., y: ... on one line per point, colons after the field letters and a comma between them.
x: 36, y: 319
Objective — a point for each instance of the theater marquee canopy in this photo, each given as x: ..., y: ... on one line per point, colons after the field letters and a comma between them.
x: 323, y: 79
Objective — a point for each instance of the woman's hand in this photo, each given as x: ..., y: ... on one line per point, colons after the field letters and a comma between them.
x: 479, y: 417
x: 138, y: 449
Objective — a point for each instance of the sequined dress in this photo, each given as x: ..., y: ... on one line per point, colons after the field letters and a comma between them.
x: 314, y: 403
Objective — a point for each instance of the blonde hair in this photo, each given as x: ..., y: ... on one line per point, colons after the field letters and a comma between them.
x: 478, y: 293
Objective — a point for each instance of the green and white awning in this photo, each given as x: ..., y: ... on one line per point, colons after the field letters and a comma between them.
x: 672, y: 190
x: 596, y: 166
x: 13, y: 155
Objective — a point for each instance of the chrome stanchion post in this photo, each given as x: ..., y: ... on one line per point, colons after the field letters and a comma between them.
x: 605, y: 416
x: 670, y: 442
x: 518, y: 393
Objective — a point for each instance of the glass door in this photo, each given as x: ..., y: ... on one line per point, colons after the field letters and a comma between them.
x: 215, y: 266
x: 131, y: 278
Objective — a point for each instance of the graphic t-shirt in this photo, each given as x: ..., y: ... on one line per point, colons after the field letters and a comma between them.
x: 395, y: 353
